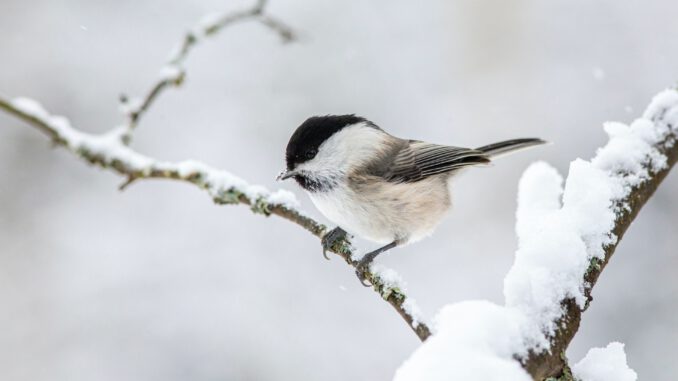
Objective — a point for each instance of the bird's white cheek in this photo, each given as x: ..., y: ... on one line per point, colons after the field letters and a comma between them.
x: 321, y: 169
x: 348, y: 149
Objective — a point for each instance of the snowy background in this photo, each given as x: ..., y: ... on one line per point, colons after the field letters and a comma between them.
x: 157, y: 283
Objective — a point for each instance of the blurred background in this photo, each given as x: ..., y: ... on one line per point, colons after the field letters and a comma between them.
x: 157, y: 283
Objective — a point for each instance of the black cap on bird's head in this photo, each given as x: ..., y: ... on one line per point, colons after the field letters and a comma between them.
x: 308, y: 137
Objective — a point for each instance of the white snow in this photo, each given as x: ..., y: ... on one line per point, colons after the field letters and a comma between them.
x: 170, y: 73
x: 31, y: 107
x: 131, y: 105
x: 556, y: 243
x: 412, y: 308
x: 58, y: 123
x: 389, y: 277
x: 110, y: 147
x: 474, y: 340
x: 284, y: 197
x: 391, y: 280
x: 605, y: 364
x: 560, y: 230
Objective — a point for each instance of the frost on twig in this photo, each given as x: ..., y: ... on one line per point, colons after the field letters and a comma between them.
x: 566, y: 237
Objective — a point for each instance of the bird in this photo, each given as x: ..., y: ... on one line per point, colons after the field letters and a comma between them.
x: 369, y: 183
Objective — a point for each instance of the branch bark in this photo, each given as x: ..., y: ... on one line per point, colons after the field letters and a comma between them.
x: 553, y: 364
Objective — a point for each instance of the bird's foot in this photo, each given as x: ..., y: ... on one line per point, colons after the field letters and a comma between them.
x: 362, y: 268
x: 331, y: 238
x: 363, y: 265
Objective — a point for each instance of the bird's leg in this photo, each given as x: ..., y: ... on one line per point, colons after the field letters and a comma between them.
x: 365, y: 261
x: 330, y: 238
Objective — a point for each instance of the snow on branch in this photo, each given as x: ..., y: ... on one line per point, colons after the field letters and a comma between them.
x: 566, y: 238
x: 110, y: 151
x: 604, y: 364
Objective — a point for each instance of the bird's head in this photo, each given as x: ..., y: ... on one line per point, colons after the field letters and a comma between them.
x: 323, y: 149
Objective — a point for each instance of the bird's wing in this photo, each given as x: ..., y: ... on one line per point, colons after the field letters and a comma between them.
x: 417, y: 160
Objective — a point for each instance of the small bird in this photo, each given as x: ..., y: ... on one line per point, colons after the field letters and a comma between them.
x: 388, y: 190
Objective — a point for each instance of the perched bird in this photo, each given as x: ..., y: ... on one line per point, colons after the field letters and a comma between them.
x: 388, y: 190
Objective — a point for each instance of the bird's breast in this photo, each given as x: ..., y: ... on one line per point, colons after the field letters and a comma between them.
x: 352, y: 213
x: 382, y: 211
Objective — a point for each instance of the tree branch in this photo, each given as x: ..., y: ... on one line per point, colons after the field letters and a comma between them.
x: 109, y: 151
x: 553, y: 363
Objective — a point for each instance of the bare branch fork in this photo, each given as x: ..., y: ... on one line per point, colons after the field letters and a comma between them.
x: 111, y: 151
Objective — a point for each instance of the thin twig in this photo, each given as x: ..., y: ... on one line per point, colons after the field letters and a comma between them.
x: 174, y: 72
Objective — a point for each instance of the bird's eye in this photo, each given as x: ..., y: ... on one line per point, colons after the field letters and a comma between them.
x: 310, y: 154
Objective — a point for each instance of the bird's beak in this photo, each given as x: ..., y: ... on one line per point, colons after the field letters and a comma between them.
x: 286, y: 174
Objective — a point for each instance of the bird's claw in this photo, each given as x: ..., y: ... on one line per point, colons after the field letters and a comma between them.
x: 361, y: 269
x: 330, y: 238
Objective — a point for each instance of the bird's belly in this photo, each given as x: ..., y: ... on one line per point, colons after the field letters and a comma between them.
x: 401, y: 212
x: 352, y: 215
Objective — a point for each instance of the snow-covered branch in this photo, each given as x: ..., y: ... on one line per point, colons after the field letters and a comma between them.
x: 600, y: 201
x: 110, y: 151
x: 566, y: 238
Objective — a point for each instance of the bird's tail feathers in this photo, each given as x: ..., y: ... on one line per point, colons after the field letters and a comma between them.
x: 509, y: 146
